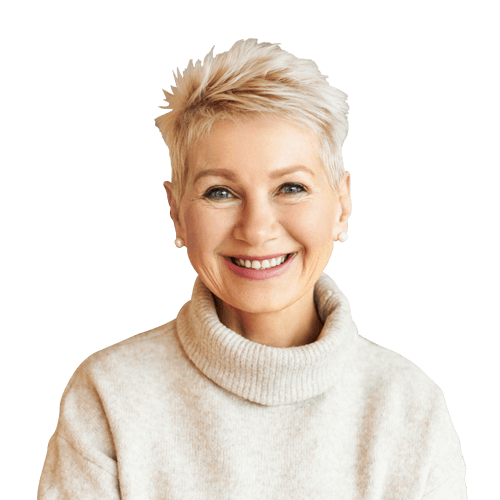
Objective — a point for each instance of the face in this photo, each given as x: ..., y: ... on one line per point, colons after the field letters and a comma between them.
x: 257, y: 191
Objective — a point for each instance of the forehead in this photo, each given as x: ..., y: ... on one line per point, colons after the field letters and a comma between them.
x: 258, y: 146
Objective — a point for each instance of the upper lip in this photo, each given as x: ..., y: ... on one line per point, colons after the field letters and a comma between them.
x: 265, y: 257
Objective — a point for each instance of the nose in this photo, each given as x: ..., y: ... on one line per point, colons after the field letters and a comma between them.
x: 257, y: 222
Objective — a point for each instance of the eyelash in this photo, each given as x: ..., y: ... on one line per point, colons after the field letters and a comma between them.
x: 220, y: 188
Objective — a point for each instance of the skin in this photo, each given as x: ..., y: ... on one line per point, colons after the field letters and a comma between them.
x: 259, y: 214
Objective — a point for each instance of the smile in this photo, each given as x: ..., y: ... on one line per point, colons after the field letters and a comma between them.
x: 266, y: 263
x: 263, y: 269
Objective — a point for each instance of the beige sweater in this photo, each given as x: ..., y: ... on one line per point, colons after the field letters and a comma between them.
x: 192, y: 410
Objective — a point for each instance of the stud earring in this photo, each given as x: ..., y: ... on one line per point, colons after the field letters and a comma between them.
x: 342, y: 237
x: 179, y: 242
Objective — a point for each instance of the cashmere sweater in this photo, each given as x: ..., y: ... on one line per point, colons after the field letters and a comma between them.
x: 193, y: 410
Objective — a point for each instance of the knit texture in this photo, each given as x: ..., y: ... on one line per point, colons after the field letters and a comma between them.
x: 193, y: 410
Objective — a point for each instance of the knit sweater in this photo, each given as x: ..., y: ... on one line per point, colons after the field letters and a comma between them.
x: 193, y: 410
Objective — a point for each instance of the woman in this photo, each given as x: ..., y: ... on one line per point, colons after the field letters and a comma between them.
x: 261, y: 387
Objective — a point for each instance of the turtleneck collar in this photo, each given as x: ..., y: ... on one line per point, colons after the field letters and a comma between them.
x: 264, y: 374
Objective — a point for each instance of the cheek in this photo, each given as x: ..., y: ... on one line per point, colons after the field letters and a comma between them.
x: 312, y: 226
x: 204, y: 231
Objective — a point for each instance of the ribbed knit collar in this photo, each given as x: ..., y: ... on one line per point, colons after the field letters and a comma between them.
x: 264, y: 374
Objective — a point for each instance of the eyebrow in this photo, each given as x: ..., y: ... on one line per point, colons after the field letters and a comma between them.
x: 229, y: 174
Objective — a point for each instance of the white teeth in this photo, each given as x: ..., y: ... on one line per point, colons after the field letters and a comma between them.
x: 265, y: 264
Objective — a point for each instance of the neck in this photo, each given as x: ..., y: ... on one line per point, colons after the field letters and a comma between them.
x: 294, y: 326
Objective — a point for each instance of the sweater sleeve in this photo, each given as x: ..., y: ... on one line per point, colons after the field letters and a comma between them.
x: 446, y: 480
x: 81, y: 461
x: 453, y: 488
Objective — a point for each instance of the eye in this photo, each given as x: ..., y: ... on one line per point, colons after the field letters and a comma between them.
x: 295, y: 186
x: 209, y: 193
x: 289, y: 185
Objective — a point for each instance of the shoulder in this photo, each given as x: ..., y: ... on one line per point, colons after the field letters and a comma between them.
x: 395, y: 381
x: 145, y: 351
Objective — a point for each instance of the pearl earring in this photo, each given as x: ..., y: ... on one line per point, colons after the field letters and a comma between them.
x: 342, y: 237
x: 179, y: 242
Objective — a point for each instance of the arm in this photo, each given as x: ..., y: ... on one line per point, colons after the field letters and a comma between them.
x: 81, y: 461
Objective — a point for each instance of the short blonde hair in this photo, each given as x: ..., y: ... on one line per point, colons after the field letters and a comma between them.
x: 249, y: 79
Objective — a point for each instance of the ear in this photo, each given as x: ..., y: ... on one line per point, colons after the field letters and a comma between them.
x: 344, y: 200
x: 174, y: 211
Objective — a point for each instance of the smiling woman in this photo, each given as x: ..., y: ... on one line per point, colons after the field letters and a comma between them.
x: 269, y: 198
x: 262, y: 386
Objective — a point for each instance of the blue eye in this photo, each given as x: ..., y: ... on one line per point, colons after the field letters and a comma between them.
x: 215, y: 190
x: 293, y: 185
x: 211, y: 191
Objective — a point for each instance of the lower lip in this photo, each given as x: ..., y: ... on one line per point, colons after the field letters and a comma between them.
x: 260, y: 274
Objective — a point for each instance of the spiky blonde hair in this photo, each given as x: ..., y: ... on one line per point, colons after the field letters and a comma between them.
x: 252, y: 79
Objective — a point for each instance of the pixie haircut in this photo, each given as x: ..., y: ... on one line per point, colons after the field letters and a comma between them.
x: 250, y: 80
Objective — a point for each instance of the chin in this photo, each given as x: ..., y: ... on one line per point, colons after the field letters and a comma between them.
x: 261, y: 307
